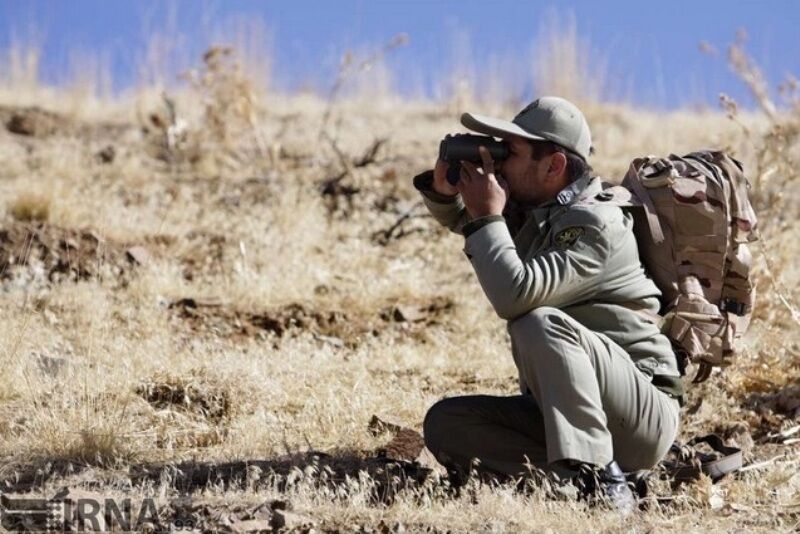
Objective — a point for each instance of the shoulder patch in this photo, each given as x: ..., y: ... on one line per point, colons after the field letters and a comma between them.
x: 568, y: 236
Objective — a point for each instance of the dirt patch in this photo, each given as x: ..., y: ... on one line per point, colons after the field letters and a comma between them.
x: 785, y: 400
x: 190, y: 410
x: 214, y: 317
x: 55, y: 254
x: 32, y: 121
x: 39, y: 123
x: 193, y: 393
x: 203, y: 254
x: 425, y: 312
x: 336, y: 326
x: 406, y: 444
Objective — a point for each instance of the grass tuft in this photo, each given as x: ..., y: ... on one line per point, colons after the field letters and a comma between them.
x: 29, y: 206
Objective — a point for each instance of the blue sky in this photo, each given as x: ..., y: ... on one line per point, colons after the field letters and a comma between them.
x: 652, y: 48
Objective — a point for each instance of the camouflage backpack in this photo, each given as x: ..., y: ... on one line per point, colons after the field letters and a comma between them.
x: 692, y: 226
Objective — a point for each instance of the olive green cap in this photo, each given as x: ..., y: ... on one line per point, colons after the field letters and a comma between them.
x: 549, y: 118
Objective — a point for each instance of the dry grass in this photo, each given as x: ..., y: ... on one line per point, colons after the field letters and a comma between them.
x: 269, y: 316
x: 31, y: 206
x: 563, y: 63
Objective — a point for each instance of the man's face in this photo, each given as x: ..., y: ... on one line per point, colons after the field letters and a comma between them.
x: 525, y: 176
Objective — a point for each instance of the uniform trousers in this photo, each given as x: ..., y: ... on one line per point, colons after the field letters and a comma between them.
x: 585, y: 402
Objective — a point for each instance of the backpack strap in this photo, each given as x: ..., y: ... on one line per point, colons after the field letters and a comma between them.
x: 703, y: 372
x: 691, y: 463
x: 633, y: 179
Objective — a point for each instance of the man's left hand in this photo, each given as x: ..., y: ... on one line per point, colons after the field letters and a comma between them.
x: 483, y: 192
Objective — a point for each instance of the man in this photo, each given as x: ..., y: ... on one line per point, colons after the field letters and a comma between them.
x: 600, y: 384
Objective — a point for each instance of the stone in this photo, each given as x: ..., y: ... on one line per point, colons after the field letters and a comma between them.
x: 137, y: 254
x: 286, y: 521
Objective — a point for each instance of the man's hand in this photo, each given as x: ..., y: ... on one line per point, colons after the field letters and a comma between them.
x: 440, y: 183
x: 483, y: 192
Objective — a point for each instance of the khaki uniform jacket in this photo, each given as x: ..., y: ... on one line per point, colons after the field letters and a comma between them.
x: 582, y: 259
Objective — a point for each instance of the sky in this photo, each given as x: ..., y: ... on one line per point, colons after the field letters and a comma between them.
x: 650, y: 50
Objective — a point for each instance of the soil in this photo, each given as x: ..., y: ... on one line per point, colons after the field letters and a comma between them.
x: 333, y: 325
x: 59, y: 254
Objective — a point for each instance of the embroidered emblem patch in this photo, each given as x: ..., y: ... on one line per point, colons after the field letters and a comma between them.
x: 567, y: 237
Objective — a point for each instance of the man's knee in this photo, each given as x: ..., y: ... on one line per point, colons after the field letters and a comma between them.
x: 542, y: 335
x: 439, y: 423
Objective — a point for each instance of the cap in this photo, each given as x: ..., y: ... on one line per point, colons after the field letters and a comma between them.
x: 549, y: 118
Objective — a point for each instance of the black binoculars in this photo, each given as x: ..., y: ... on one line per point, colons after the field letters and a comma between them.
x: 456, y: 148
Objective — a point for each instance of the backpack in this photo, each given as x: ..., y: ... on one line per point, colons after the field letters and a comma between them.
x: 693, y: 221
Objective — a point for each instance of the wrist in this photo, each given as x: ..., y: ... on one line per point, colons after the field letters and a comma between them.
x: 479, y: 222
x: 438, y: 191
x: 488, y: 212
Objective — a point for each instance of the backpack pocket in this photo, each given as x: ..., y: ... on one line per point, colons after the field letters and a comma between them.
x: 698, y: 327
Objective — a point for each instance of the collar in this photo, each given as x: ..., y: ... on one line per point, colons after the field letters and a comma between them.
x: 567, y: 195
x: 584, y: 186
x: 574, y: 190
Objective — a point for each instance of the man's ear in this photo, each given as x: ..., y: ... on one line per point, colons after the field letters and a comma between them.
x: 558, y: 165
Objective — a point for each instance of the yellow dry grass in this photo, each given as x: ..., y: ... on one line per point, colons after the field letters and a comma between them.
x: 244, y: 208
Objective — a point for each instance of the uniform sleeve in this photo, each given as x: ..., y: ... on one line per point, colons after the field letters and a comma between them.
x: 448, y: 211
x: 565, y: 273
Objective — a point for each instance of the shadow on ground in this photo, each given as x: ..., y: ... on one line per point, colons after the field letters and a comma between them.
x: 383, y: 477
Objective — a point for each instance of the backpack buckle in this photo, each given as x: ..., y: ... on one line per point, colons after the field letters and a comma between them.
x: 657, y: 167
x: 733, y: 306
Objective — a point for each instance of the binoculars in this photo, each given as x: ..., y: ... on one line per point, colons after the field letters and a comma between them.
x: 456, y: 148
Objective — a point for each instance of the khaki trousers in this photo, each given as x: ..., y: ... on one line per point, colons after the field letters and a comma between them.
x: 587, y: 402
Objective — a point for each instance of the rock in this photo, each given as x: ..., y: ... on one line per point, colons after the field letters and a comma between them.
x: 192, y: 302
x: 21, y: 125
x: 262, y: 511
x: 409, y: 313
x: 378, y: 426
x: 107, y: 154
x: 285, y: 521
x: 330, y: 340
x: 138, y: 255
x: 279, y: 505
x: 716, y: 501
x: 33, y: 122
x: 251, y: 526
x: 406, y: 445
x: 425, y: 312
x: 739, y: 434
x: 788, y: 400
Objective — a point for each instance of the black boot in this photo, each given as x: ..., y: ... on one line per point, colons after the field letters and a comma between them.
x: 606, y: 484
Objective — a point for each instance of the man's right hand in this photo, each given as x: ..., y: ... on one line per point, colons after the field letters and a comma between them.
x: 440, y: 183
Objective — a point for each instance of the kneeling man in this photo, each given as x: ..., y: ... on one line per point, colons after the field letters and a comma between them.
x: 600, y: 385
